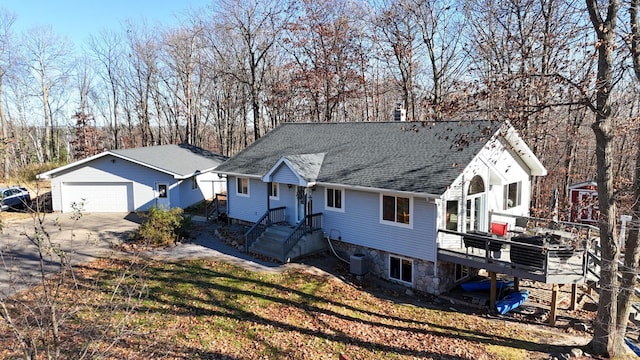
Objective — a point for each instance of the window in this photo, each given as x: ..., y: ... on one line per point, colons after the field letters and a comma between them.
x: 335, y: 199
x: 462, y: 272
x: 273, y: 190
x: 396, y: 209
x: 476, y: 209
x: 401, y: 269
x: 243, y: 186
x: 512, y: 195
x: 194, y: 183
x: 452, y: 215
x: 162, y: 190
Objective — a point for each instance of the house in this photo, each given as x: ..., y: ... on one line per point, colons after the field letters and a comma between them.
x: 380, y: 191
x: 136, y: 179
x: 583, y: 200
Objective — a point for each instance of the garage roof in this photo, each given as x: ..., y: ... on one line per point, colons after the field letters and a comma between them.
x: 181, y: 161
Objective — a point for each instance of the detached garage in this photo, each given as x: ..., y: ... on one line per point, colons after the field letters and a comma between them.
x: 136, y: 179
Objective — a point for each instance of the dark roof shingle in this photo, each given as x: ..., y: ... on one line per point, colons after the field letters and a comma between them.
x: 401, y: 156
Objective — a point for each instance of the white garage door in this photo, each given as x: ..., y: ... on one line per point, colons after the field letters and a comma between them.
x: 98, y: 197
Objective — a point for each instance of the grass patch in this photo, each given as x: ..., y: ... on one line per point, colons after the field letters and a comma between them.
x: 204, y: 309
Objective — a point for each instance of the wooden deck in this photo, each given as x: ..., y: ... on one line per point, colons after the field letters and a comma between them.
x: 544, y: 251
x: 566, y: 261
x: 556, y: 270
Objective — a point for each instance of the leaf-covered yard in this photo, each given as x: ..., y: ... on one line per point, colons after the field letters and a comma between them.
x: 202, y: 309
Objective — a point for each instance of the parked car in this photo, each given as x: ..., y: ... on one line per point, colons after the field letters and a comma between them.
x: 14, y: 197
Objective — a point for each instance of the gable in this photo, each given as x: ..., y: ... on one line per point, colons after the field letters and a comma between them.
x: 302, y: 169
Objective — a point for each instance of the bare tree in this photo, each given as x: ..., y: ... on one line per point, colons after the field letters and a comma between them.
x: 141, y: 79
x: 47, y: 58
x: 325, y: 51
x: 246, y: 32
x: 441, y: 25
x: 6, y: 59
x: 605, y: 340
x: 398, y: 38
x: 186, y: 78
x: 107, y: 50
x: 37, y: 320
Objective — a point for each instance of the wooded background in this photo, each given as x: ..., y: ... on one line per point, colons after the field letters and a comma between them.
x: 234, y: 70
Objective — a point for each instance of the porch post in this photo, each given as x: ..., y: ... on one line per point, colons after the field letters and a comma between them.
x: 554, y: 305
x: 574, y: 296
x: 268, y: 203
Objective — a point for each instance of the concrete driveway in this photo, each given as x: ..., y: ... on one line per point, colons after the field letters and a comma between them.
x: 89, y: 237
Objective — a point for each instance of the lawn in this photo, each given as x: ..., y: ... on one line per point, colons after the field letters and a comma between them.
x: 202, y: 309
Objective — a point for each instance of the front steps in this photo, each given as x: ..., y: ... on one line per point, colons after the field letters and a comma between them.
x: 270, y: 244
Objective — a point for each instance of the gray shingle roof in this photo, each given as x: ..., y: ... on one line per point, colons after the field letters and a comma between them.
x: 182, y: 160
x: 402, y: 156
x: 306, y: 165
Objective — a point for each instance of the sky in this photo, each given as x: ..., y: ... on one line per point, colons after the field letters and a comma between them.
x: 77, y: 19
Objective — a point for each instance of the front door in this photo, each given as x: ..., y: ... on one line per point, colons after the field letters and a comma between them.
x: 300, y: 199
x: 162, y: 195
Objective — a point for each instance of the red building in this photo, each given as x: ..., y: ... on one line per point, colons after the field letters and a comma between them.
x: 584, y: 202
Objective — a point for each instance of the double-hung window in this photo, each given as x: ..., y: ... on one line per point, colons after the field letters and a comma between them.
x: 242, y: 186
x: 396, y: 209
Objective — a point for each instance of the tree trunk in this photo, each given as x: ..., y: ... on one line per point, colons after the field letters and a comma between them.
x: 5, y: 137
x: 604, y: 337
x: 605, y: 341
x: 632, y: 244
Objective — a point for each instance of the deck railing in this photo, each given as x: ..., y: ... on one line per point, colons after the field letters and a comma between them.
x: 310, y: 224
x: 271, y: 216
x: 583, y: 231
x: 216, y: 206
x: 545, y: 258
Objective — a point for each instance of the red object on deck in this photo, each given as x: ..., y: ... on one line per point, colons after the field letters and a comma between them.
x: 499, y: 229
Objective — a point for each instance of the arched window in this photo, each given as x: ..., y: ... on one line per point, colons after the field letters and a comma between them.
x: 476, y: 185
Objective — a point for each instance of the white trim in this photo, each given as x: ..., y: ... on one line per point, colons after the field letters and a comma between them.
x: 277, y: 185
x: 505, y: 195
x: 395, y: 223
x: 49, y: 174
x: 521, y: 148
x: 342, y: 198
x: 268, y: 177
x: 401, y: 258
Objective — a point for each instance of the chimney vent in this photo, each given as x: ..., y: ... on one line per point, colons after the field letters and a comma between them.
x: 399, y: 114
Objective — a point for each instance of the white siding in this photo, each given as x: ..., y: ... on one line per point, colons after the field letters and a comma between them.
x: 498, y: 166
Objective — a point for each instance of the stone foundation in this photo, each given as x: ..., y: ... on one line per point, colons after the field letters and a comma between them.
x: 424, y: 279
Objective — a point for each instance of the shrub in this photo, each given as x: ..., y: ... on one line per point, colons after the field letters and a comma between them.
x: 162, y: 227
